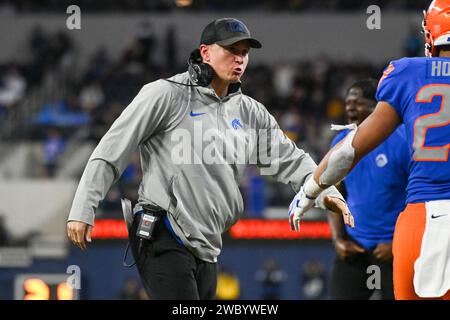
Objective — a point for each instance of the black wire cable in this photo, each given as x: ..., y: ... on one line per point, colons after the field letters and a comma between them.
x: 183, y: 84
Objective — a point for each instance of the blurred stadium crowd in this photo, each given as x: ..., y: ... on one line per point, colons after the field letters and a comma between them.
x: 25, y: 6
x: 305, y: 97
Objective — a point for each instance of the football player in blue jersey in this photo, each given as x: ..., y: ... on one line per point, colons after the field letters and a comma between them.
x: 374, y: 209
x: 416, y: 92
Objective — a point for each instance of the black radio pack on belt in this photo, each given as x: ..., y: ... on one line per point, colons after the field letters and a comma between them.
x: 147, y: 222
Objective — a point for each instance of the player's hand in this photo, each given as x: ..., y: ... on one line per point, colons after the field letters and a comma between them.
x: 346, y: 248
x: 297, y: 209
x: 79, y: 233
x: 383, y: 252
x: 340, y: 207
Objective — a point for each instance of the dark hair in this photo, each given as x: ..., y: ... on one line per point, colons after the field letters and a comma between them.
x: 445, y: 47
x: 368, y: 87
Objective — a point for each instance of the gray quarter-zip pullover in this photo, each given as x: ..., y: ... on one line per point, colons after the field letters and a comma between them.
x: 191, y: 144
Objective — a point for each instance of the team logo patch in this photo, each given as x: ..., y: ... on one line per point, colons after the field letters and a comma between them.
x: 236, y: 124
x: 236, y: 27
x: 381, y: 160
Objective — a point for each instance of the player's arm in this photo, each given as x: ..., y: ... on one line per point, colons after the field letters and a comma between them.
x: 336, y: 223
x: 279, y: 157
x: 343, y: 246
x: 337, y: 226
x: 343, y: 157
x: 392, y: 92
x: 371, y: 133
x: 289, y: 164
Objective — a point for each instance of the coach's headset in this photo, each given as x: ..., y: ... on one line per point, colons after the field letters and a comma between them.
x: 201, y: 73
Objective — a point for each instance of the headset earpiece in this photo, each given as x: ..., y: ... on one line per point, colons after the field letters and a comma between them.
x: 201, y: 73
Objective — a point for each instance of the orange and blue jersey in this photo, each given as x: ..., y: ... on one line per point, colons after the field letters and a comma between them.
x: 419, y: 91
x: 376, y: 189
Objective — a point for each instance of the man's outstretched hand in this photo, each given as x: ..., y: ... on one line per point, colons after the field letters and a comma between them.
x: 79, y: 233
x: 302, y: 203
x: 340, y: 207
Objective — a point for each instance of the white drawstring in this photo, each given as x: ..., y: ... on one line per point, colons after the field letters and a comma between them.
x: 339, y: 127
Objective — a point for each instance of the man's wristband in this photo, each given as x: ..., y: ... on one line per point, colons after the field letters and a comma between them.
x: 312, y: 189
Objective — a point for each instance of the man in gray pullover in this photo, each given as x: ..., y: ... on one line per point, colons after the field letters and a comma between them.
x: 196, y: 132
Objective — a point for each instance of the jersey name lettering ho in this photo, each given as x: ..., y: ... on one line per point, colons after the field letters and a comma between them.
x: 419, y: 90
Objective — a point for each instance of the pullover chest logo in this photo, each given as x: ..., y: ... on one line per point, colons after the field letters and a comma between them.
x: 236, y: 124
x: 193, y: 114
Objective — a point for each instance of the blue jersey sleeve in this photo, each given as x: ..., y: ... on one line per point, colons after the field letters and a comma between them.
x: 341, y: 135
x: 393, y: 85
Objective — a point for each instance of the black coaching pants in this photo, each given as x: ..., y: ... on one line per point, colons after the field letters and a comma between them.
x: 349, y: 278
x: 168, y: 270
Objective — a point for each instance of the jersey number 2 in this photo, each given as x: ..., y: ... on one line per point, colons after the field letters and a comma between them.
x: 433, y: 120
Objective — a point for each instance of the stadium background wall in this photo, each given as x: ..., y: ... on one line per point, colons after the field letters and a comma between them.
x: 102, y: 273
x: 337, y: 31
